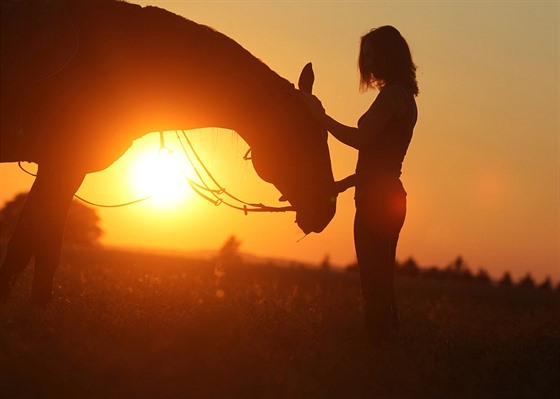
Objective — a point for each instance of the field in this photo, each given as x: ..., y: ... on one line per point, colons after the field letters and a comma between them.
x: 126, y: 325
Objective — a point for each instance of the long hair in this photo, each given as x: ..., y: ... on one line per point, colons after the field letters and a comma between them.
x: 385, y: 58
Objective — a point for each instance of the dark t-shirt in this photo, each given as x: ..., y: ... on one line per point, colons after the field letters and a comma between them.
x: 384, y: 133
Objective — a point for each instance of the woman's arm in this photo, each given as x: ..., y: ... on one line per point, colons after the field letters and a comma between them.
x: 345, y: 184
x: 345, y: 134
x: 388, y: 101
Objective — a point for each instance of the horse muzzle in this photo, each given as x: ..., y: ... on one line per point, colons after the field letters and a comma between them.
x: 314, y: 218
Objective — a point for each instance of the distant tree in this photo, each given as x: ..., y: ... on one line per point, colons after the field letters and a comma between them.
x: 435, y: 273
x: 482, y: 277
x: 527, y: 282
x: 82, y: 223
x: 458, y: 265
x: 229, y: 253
x: 506, y: 281
x: 410, y: 268
x: 326, y: 263
x: 458, y: 270
x: 546, y: 284
x: 228, y: 256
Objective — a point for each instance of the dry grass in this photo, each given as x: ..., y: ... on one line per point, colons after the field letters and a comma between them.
x: 140, y: 326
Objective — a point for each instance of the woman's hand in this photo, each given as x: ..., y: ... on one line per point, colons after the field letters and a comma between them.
x: 345, y: 184
x: 343, y: 133
x: 315, y: 106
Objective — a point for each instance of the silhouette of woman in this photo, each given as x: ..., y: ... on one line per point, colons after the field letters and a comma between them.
x: 381, y: 138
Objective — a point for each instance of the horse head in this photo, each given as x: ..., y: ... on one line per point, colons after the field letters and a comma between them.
x: 298, y: 164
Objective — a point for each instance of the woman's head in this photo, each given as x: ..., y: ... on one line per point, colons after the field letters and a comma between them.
x: 385, y: 58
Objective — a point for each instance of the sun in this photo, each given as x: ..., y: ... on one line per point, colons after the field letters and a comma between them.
x: 159, y: 174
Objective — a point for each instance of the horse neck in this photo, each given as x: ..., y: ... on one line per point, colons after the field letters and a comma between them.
x: 205, y: 79
x: 246, y: 97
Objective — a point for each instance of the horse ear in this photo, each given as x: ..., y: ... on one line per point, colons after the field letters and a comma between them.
x: 306, y: 79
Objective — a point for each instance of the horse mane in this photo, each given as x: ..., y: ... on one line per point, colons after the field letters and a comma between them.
x: 180, y: 27
x: 200, y: 67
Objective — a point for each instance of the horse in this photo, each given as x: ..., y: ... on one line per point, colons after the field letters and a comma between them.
x: 85, y: 79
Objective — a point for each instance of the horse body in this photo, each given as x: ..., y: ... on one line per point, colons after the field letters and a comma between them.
x: 137, y: 70
x: 133, y: 76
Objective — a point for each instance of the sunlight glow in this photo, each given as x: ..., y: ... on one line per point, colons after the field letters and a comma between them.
x: 158, y: 173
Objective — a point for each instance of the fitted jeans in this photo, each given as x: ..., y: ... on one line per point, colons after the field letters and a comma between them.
x: 380, y: 214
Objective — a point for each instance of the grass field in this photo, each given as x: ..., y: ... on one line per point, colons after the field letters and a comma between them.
x: 127, y: 325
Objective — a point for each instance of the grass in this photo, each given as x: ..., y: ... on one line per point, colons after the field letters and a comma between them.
x: 127, y: 325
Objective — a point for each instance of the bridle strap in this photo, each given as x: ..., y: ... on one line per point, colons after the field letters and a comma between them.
x: 212, y: 195
x: 241, y: 205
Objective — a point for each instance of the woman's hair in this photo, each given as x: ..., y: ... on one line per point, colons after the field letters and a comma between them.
x: 385, y: 58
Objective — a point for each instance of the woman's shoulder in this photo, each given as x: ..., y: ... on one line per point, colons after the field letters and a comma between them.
x: 394, y: 90
x: 394, y: 94
x: 388, y: 101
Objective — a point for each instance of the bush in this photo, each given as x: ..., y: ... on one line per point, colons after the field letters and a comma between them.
x: 82, y: 223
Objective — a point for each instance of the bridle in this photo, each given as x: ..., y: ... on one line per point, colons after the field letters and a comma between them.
x: 216, y: 195
x: 212, y: 192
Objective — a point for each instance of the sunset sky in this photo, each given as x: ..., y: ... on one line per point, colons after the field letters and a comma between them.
x: 482, y: 172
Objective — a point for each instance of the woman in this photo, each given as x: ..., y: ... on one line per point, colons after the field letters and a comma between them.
x: 382, y: 138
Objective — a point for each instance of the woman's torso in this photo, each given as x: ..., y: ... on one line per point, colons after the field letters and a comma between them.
x: 380, y: 161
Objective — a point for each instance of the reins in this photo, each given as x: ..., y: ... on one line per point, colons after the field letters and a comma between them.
x: 213, y: 192
x: 219, y: 190
x: 94, y: 203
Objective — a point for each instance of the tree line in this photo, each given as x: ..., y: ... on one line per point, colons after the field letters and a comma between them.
x: 83, y: 230
x: 458, y: 270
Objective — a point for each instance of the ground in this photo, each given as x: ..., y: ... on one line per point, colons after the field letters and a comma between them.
x: 133, y: 325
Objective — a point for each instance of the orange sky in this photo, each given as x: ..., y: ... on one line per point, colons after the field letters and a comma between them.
x: 482, y: 171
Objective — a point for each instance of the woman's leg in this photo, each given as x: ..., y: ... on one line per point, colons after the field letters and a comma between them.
x: 376, y: 232
x: 376, y: 259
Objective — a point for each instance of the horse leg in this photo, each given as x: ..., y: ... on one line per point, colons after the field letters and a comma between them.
x: 55, y: 190
x: 39, y: 232
x: 19, y: 251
